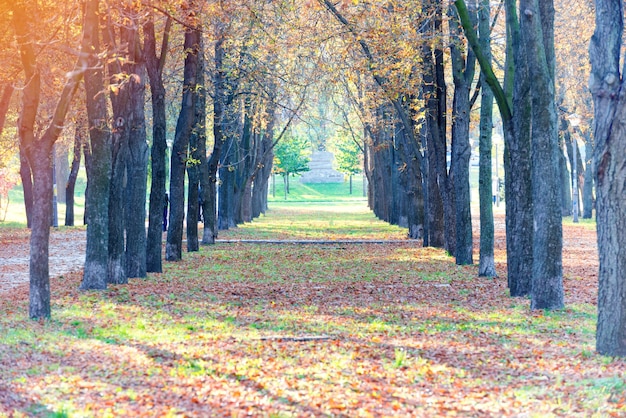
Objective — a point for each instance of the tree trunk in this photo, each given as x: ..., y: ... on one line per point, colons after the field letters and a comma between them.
x: 227, y: 184
x: 264, y: 160
x: 136, y: 175
x: 39, y: 300
x: 588, y: 181
x: 220, y: 100
x: 463, y: 75
x: 200, y: 131
x: 518, y: 194
x: 119, y: 150
x: 609, y: 135
x: 99, y: 170
x: 6, y: 91
x: 547, y: 270
x: 436, y: 234
x: 38, y: 152
x: 173, y: 248
x: 195, y: 165
x: 197, y: 169
x: 564, y: 183
x: 27, y: 185
x: 154, y: 68
x: 71, y: 181
x: 61, y: 169
x: 486, y: 263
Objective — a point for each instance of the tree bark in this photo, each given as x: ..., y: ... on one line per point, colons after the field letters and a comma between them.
x: 547, y: 268
x: 564, y: 182
x: 38, y: 149
x: 136, y: 170
x: 27, y: 185
x: 220, y: 102
x: 154, y: 68
x: 173, y: 247
x: 71, y: 181
x: 486, y: 263
x: 197, y: 152
x: 6, y: 91
x: 606, y: 84
x: 434, y: 201
x: 463, y: 76
x: 588, y: 181
x: 99, y: 169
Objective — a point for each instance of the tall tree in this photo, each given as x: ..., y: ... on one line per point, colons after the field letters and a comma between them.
x: 606, y: 83
x: 99, y: 165
x: 38, y: 150
x: 486, y: 263
x: 537, y: 26
x: 197, y: 167
x: 179, y: 159
x: 137, y: 162
x: 463, y: 69
x: 154, y: 67
x: 530, y: 49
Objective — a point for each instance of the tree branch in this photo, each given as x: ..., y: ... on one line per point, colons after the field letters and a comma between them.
x: 485, y: 65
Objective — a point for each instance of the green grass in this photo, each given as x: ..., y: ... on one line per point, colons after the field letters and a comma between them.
x: 16, y: 215
x: 317, y: 192
x: 316, y: 220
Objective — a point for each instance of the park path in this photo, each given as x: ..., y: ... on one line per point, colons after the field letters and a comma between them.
x: 67, y: 254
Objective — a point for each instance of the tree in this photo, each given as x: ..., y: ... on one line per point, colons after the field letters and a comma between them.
x: 348, y: 155
x: 79, y: 143
x: 486, y: 264
x: 547, y: 272
x: 99, y: 163
x: 154, y: 67
x: 126, y: 71
x: 463, y: 69
x: 291, y: 157
x: 179, y: 159
x: 606, y: 82
x: 38, y: 151
x: 531, y: 45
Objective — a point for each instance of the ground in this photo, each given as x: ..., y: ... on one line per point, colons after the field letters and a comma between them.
x: 312, y: 330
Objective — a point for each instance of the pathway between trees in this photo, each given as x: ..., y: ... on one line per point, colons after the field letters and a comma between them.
x: 67, y: 254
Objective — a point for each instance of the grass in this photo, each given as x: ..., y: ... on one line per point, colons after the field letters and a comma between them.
x: 406, y: 333
x: 317, y: 192
x: 16, y: 215
x: 316, y: 220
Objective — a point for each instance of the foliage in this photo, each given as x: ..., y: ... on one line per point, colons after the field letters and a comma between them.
x: 291, y: 155
x: 348, y: 155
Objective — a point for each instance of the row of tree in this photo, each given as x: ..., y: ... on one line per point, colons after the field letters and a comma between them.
x: 386, y: 60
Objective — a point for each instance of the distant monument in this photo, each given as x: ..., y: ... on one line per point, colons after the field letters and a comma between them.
x: 321, y: 169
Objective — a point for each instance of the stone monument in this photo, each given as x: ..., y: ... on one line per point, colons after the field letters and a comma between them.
x: 321, y: 169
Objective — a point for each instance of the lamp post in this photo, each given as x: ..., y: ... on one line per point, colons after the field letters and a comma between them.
x: 574, y: 120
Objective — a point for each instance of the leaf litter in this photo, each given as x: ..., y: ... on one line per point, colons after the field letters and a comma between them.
x: 330, y: 330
